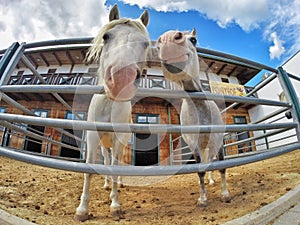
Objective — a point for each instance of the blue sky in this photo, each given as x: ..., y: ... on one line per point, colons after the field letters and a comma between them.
x: 266, y: 31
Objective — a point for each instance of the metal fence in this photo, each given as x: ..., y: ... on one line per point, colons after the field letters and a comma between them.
x: 276, y: 133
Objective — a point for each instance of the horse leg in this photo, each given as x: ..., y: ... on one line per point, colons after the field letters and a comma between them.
x: 202, y: 201
x: 224, y: 190
x: 206, y: 158
x: 82, y: 213
x: 106, y: 157
x: 115, y: 207
x: 120, y: 182
x: 210, y: 178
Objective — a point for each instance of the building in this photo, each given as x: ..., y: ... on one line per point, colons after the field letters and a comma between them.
x: 61, y: 62
x: 274, y: 91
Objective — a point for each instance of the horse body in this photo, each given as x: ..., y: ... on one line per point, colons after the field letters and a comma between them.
x: 180, y: 64
x: 121, y: 48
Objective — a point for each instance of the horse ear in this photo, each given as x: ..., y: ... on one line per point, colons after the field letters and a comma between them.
x: 145, y: 18
x: 194, y: 32
x: 114, y: 13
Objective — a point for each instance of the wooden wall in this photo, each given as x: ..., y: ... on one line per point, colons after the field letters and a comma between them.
x: 228, y: 118
x: 168, y: 112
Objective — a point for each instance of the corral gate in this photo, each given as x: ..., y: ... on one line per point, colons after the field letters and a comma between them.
x: 268, y: 131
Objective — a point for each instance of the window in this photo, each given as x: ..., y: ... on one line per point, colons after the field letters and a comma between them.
x: 52, y: 70
x: 33, y: 144
x: 246, y: 146
x: 142, y: 119
x: 240, y: 120
x: 20, y: 73
x: 93, y: 70
x: 151, y: 118
x: 2, y: 109
x: 41, y: 113
x: 225, y: 80
x: 74, y: 138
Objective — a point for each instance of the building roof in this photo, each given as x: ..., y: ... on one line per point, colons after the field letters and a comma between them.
x: 72, y: 51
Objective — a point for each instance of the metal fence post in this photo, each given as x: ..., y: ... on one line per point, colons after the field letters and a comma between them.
x: 7, y: 57
x: 291, y: 97
x: 13, y: 59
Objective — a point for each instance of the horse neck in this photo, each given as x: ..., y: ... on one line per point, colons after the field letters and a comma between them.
x: 192, y: 85
x: 120, y: 111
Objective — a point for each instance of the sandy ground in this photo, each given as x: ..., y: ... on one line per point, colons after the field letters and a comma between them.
x: 48, y: 196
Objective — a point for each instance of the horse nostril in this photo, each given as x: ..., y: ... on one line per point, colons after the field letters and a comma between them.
x: 137, y: 79
x: 178, y: 36
x: 138, y: 74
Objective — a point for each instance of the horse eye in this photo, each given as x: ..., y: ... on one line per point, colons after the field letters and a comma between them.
x: 105, y: 37
x: 193, y: 40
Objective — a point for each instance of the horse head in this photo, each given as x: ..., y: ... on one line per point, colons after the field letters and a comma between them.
x: 121, y: 48
x: 179, y: 59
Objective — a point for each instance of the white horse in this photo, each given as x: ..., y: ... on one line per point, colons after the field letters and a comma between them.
x: 121, y: 49
x: 179, y: 59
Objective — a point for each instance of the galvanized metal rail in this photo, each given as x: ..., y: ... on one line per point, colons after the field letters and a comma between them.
x: 275, y: 126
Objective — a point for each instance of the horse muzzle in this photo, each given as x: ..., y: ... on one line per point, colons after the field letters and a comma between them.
x: 121, y: 83
x: 174, y: 67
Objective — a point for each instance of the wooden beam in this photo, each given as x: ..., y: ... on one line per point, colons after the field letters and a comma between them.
x: 35, y: 64
x: 83, y: 53
x: 70, y: 57
x: 209, y: 66
x: 44, y: 59
x: 56, y: 58
x: 222, y: 68
x: 232, y: 71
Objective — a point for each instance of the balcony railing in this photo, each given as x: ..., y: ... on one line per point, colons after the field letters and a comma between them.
x: 55, y: 79
x: 148, y: 81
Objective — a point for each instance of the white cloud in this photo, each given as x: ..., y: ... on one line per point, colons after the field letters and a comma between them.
x: 285, y: 21
x: 246, y: 13
x: 280, y: 16
x: 35, y: 20
x: 277, y: 49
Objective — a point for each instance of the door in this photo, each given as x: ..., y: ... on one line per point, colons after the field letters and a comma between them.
x: 70, y: 139
x: 32, y: 144
x: 146, y: 149
x: 146, y: 146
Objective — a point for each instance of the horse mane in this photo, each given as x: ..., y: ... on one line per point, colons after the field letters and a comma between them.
x: 94, y: 51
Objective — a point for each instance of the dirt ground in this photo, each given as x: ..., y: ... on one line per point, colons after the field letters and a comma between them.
x: 48, y: 196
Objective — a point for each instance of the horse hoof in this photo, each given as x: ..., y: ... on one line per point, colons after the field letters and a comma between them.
x: 106, y: 188
x: 226, y: 199
x: 202, y: 204
x: 81, y: 218
x: 117, y: 214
